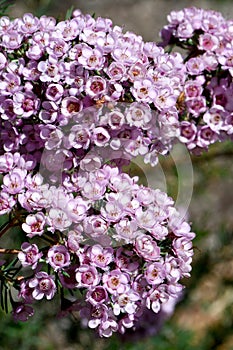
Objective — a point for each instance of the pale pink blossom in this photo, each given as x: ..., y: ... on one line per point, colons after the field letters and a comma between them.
x: 34, y: 224
x: 43, y: 285
x: 29, y: 255
x: 87, y: 276
x: 146, y: 247
x: 58, y: 257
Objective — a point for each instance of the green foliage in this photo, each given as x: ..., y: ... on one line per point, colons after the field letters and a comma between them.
x: 69, y: 12
x: 19, y: 335
x: 4, y: 6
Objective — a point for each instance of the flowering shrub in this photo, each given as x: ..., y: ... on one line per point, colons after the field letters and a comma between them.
x: 206, y: 38
x: 78, y: 100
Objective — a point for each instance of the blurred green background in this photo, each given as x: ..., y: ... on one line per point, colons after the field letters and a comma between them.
x: 203, y: 320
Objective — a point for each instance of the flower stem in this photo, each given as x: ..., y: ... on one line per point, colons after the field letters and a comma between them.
x: 9, y: 251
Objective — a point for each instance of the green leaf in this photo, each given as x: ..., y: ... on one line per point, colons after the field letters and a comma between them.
x: 1, y: 295
x: 66, y: 274
x: 6, y: 299
x: 69, y: 12
x: 11, y: 264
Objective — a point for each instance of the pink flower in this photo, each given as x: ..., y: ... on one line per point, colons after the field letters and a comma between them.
x: 6, y: 162
x: 58, y: 219
x: 93, y: 190
x: 164, y: 98
x: 12, y: 40
x: 183, y: 247
x: 58, y: 257
x: 126, y: 230
x: 145, y: 219
x: 49, y: 112
x: 35, y: 51
x: 215, y: 118
x: 193, y: 88
x: 141, y: 90
x: 10, y: 84
x: 126, y: 303
x: 113, y: 211
x: 208, y: 42
x: 100, y: 136
x: 43, y: 285
x: 115, y: 281
x: 57, y: 47
x: 7, y: 202
x: 146, y: 247
x: 137, y: 146
x: 206, y: 136
x: 196, y: 105
x: 50, y: 70
x: 107, y: 327
x: 188, y: 132
x: 34, y: 224
x: 87, y: 276
x: 54, y: 92
x: 97, y: 295
x: 30, y: 255
x: 14, y: 181
x: 25, y: 104
x: 139, y: 115
x: 137, y: 71
x: 92, y: 59
x: 99, y: 256
x: 95, y: 226
x: 116, y: 71
x: 96, y: 87
x: 70, y: 106
x: 124, y: 55
x: 155, y: 297
x: 76, y: 209
x: 29, y: 24
x: 195, y: 65
x: 68, y: 29
x: 185, y: 30
x: 22, y: 312
x: 116, y: 119
x: 53, y: 137
x: 155, y: 273
x: 79, y: 137
x: 25, y: 291
x: 171, y: 265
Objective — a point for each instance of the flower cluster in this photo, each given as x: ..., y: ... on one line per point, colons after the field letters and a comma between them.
x: 67, y: 86
x: 206, y: 113
x: 123, y: 246
x: 78, y: 100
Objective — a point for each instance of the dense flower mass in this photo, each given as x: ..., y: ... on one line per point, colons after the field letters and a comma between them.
x: 122, y: 245
x: 81, y: 86
x: 206, y: 113
x: 79, y: 99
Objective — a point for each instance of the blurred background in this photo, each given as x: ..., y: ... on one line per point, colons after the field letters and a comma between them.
x: 203, y: 320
